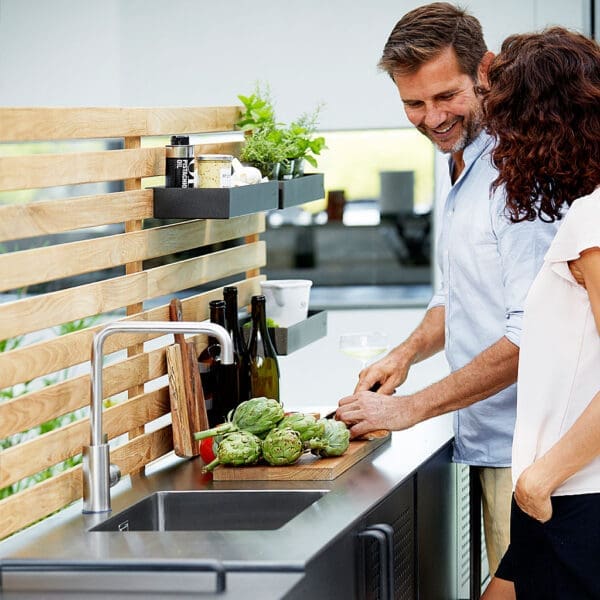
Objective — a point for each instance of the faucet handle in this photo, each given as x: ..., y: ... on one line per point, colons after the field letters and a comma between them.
x: 114, y: 475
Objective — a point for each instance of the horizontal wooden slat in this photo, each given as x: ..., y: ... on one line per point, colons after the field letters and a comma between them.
x: 51, y: 356
x: 20, y: 221
x: 34, y: 408
x: 39, y: 501
x: 38, y: 265
x: 26, y: 124
x: 55, y: 446
x: 43, y: 499
x: 46, y: 170
x: 39, y: 312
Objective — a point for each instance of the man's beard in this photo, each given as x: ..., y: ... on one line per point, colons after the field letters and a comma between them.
x: 471, y: 128
x: 469, y: 132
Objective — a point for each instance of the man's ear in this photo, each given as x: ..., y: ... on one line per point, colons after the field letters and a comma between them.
x: 483, y: 68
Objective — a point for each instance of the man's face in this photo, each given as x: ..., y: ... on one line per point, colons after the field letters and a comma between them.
x: 440, y: 101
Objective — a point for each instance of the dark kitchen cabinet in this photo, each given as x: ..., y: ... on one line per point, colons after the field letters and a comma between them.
x: 387, y: 548
x: 404, y: 548
x: 435, y: 510
x: 331, y: 574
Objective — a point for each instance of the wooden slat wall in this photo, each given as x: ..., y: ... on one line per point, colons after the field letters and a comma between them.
x: 32, y: 318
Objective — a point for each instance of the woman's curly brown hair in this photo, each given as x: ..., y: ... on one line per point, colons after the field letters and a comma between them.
x: 543, y: 106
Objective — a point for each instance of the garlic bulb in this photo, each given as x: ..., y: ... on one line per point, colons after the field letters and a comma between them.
x: 243, y: 175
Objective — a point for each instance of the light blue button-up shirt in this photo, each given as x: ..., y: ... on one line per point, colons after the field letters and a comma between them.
x: 487, y: 265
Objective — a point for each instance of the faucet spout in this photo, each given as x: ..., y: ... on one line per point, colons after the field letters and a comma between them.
x: 97, y: 475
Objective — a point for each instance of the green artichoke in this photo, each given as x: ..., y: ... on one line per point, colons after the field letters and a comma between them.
x: 335, y: 440
x: 257, y: 415
x: 237, y: 448
x: 282, y: 447
x: 306, y: 425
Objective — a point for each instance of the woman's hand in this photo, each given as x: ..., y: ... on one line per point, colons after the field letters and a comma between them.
x: 532, y: 495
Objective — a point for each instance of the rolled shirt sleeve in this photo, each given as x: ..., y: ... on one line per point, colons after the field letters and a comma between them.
x: 521, y: 248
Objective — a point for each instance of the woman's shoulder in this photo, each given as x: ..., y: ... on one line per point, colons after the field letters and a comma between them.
x: 579, y: 230
x: 586, y: 206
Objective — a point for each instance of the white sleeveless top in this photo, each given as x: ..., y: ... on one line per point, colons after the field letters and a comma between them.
x: 559, y: 361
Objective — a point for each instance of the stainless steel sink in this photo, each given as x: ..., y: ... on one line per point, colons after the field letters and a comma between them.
x: 212, y: 510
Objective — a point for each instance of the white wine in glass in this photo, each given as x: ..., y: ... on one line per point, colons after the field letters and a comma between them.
x: 364, y: 346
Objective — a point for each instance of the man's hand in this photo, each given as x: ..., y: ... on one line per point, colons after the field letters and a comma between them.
x: 532, y: 495
x: 368, y: 411
x: 389, y: 373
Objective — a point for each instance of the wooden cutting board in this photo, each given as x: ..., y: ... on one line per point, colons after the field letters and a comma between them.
x: 308, y: 468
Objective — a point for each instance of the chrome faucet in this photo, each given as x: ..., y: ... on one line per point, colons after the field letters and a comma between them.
x: 98, y: 474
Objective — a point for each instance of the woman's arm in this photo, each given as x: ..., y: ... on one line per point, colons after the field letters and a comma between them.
x: 573, y: 451
x: 581, y: 443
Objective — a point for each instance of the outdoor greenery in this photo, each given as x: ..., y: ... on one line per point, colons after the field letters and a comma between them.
x: 15, y: 391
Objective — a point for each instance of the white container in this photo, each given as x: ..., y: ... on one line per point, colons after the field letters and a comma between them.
x: 286, y: 300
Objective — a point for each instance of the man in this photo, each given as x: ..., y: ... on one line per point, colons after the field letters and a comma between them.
x: 438, y: 60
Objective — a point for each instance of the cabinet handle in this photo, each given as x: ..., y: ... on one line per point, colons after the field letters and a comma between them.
x: 383, y: 534
x: 41, y: 566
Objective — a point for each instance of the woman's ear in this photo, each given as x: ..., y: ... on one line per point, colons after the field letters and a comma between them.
x: 483, y: 68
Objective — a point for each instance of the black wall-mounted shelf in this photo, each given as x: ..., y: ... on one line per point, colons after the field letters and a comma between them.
x: 225, y: 203
x: 289, y: 339
x: 300, y: 190
x: 214, y: 203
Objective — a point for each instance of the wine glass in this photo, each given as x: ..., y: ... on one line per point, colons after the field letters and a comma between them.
x: 364, y: 346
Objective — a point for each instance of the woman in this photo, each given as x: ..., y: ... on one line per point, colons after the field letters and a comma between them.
x: 543, y: 106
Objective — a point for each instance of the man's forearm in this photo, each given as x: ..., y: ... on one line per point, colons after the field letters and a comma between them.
x: 427, y: 339
x: 488, y: 373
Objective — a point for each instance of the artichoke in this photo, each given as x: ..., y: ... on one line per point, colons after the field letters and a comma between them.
x: 306, y: 425
x: 237, y: 448
x: 282, y: 447
x: 335, y: 440
x: 257, y: 415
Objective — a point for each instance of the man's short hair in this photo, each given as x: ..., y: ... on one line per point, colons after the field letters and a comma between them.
x: 423, y: 33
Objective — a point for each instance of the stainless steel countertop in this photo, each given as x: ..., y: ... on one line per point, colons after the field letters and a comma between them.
x: 66, y: 536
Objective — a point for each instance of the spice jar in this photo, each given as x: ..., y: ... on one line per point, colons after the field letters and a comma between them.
x: 213, y: 170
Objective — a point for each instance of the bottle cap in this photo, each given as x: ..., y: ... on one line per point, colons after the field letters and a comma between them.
x: 180, y: 140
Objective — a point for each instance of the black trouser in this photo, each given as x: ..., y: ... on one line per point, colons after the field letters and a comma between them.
x: 559, y: 559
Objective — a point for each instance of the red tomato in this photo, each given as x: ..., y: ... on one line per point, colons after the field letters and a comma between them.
x: 206, y: 450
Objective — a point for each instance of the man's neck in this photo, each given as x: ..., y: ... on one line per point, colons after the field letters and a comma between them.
x: 458, y: 165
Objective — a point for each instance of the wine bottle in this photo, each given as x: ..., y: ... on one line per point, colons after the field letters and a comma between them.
x: 241, y: 357
x: 264, y: 368
x: 218, y: 381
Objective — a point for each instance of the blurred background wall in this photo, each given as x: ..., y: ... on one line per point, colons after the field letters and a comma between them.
x: 198, y: 52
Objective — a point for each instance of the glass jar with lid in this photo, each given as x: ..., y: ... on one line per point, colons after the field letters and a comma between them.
x: 213, y: 170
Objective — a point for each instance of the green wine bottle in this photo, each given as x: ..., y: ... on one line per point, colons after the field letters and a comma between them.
x: 264, y: 368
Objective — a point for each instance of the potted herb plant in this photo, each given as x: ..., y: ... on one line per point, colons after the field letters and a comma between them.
x: 264, y: 150
x: 279, y: 151
x: 301, y: 144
